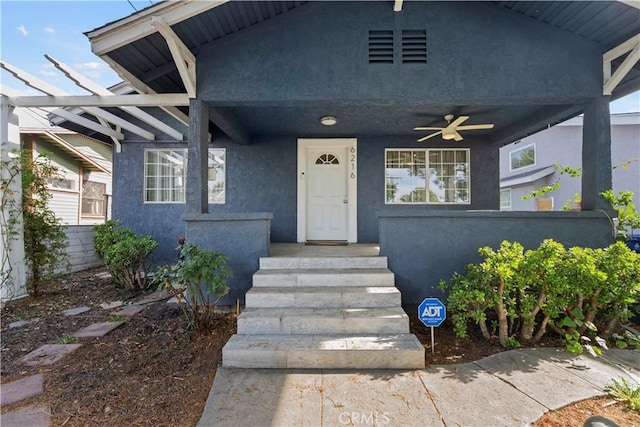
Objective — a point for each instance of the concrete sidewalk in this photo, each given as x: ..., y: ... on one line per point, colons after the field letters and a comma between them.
x: 513, y: 388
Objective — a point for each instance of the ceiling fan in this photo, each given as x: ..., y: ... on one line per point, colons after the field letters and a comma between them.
x: 451, y: 130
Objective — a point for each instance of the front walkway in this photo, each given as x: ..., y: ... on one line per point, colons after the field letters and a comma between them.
x: 513, y: 388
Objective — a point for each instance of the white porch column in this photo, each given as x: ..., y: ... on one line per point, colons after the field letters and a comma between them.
x: 13, y: 284
x: 596, y: 154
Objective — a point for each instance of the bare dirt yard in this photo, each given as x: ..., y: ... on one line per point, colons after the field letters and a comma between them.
x: 154, y: 370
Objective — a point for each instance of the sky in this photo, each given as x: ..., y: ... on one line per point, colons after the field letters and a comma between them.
x: 31, y: 29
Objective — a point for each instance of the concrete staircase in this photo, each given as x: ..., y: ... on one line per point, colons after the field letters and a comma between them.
x: 317, y: 313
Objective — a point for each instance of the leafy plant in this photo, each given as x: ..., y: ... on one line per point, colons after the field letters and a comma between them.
x: 125, y: 254
x: 626, y: 339
x: 560, y: 170
x: 10, y: 215
x: 628, y: 216
x: 625, y: 392
x: 198, y: 281
x: 67, y: 339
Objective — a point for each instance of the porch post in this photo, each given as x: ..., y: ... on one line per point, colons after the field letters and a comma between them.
x: 596, y: 153
x: 13, y: 274
x: 197, y: 157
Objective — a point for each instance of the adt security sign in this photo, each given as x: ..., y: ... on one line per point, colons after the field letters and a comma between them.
x: 432, y: 312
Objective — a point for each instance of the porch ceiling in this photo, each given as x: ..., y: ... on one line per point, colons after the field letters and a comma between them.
x: 148, y: 59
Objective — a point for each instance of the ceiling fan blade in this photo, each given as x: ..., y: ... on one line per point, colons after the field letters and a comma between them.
x: 427, y: 128
x: 457, y: 137
x: 458, y: 121
x: 424, y: 138
x: 476, y: 127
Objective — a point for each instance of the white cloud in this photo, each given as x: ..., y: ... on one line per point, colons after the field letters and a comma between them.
x: 92, y: 69
x: 49, y: 30
x: 23, y: 30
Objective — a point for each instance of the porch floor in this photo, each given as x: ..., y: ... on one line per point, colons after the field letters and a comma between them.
x: 281, y: 250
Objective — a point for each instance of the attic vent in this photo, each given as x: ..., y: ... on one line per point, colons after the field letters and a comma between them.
x: 414, y: 46
x: 381, y: 47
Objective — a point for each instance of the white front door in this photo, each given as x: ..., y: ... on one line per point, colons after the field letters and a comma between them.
x: 327, y: 194
x: 327, y: 189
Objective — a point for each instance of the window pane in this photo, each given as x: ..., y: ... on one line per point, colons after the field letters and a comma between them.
x: 526, y: 156
x: 93, y: 194
x: 449, y: 176
x: 165, y: 175
x: 216, y: 175
x: 405, y: 176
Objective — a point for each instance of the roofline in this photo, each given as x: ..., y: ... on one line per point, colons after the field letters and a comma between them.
x: 527, y: 178
x: 66, y: 146
x: 618, y: 119
x: 138, y: 25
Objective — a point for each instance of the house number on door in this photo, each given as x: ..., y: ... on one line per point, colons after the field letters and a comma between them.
x: 353, y: 163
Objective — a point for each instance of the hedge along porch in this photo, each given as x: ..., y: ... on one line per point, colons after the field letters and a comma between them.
x: 266, y: 72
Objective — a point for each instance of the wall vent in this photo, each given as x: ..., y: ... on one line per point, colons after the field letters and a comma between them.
x: 414, y: 46
x: 381, y: 47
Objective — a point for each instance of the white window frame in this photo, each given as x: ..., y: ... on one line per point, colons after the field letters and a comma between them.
x: 102, y: 200
x: 505, y: 207
x: 427, y: 167
x: 512, y: 152
x: 220, y: 200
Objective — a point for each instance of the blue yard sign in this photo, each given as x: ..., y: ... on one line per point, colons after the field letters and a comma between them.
x: 432, y: 312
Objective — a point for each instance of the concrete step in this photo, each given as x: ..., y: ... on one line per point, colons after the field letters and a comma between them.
x: 296, y: 321
x: 307, y: 263
x: 324, y: 277
x: 335, y: 351
x: 324, y: 297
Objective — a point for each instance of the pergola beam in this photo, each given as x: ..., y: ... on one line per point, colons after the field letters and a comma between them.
x: 136, y: 112
x: 397, y: 5
x: 80, y: 101
x: 611, y: 80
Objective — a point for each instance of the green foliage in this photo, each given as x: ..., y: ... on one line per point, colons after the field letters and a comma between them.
x: 550, y: 287
x: 560, y: 170
x: 626, y: 393
x: 628, y: 216
x: 198, y: 281
x: 626, y: 339
x: 116, y: 318
x: 67, y: 339
x: 125, y: 254
x: 45, y: 239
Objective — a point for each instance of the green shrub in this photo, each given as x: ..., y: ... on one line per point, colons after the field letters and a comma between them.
x: 550, y: 287
x: 198, y: 281
x: 125, y: 254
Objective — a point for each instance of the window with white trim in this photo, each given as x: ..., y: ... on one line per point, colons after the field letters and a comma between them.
x: 420, y: 176
x: 522, y: 157
x: 93, y: 201
x: 505, y: 200
x: 165, y: 175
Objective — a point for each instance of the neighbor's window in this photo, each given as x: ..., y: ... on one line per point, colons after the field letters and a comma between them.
x: 523, y: 157
x: 93, y: 198
x: 505, y: 200
x: 165, y: 175
x: 427, y: 176
x: 56, y: 183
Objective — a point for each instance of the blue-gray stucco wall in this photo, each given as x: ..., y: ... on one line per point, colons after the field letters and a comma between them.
x: 261, y: 177
x: 477, y: 53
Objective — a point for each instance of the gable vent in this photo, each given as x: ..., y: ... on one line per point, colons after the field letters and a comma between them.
x: 381, y: 47
x: 414, y: 46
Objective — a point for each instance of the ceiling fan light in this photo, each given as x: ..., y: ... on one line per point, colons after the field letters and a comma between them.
x: 448, y: 135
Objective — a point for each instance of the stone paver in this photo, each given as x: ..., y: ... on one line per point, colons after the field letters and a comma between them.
x: 29, y: 416
x: 153, y: 297
x: 21, y: 389
x: 75, y: 311
x: 110, y: 305
x: 48, y: 354
x: 129, y: 310
x: 21, y: 323
x: 97, y: 329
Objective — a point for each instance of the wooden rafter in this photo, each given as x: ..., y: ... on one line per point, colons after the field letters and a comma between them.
x: 630, y: 47
x: 185, y: 60
x: 397, y: 5
x: 79, y: 101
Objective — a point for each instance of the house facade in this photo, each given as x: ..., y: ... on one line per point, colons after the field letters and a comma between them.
x: 300, y: 125
x: 529, y: 164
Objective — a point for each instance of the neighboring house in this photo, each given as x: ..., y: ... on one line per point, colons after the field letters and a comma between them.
x: 529, y: 164
x: 301, y: 116
x: 82, y: 195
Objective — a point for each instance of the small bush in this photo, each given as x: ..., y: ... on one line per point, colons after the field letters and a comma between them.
x: 198, y: 281
x: 125, y: 254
